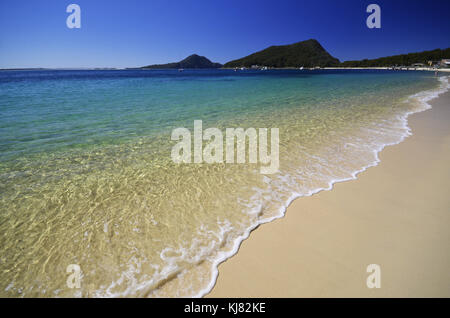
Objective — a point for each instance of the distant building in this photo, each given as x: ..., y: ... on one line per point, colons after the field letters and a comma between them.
x: 418, y: 65
x: 434, y: 63
x: 445, y: 63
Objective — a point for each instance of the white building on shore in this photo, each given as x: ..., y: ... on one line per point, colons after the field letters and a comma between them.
x: 445, y: 63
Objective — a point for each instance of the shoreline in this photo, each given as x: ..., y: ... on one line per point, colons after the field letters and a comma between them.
x: 257, y: 259
x: 403, y: 68
x: 429, y: 69
x: 385, y: 68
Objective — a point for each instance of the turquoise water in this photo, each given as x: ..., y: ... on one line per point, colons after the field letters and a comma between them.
x: 86, y: 175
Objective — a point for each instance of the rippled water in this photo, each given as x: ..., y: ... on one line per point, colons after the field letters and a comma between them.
x: 86, y: 175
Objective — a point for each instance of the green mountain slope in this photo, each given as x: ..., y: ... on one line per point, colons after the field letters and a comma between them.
x: 403, y: 59
x: 307, y: 53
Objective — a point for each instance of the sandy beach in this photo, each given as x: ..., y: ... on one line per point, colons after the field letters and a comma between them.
x: 395, y: 215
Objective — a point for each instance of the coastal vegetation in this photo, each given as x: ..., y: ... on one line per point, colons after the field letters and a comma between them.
x: 402, y: 59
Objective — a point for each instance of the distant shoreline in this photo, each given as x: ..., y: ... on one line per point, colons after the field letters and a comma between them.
x: 430, y: 69
x: 232, y: 68
x: 63, y: 69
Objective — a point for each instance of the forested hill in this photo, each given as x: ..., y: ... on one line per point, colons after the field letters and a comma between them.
x: 307, y: 53
x: 192, y: 61
x: 402, y: 59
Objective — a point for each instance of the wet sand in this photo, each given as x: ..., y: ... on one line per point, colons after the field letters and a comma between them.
x: 396, y: 215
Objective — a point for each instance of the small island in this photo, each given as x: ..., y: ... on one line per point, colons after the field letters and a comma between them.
x: 192, y: 61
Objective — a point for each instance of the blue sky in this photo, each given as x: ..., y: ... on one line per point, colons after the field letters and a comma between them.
x: 33, y: 33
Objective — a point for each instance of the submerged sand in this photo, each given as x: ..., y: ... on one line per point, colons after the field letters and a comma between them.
x: 396, y: 215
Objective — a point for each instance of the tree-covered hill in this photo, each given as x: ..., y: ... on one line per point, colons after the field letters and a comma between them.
x: 403, y: 59
x: 307, y: 53
x: 192, y: 61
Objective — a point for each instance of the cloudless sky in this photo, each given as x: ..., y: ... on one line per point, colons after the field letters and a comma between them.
x: 128, y: 33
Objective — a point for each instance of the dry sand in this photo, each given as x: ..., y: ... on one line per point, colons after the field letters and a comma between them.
x: 396, y: 214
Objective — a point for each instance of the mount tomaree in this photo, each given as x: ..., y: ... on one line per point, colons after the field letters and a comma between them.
x: 306, y: 53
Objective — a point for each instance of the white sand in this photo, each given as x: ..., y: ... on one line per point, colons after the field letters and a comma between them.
x: 396, y: 215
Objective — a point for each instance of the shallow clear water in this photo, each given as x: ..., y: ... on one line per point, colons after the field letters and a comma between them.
x: 86, y: 175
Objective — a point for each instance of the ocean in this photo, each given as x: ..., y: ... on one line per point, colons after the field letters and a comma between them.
x: 87, y: 178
